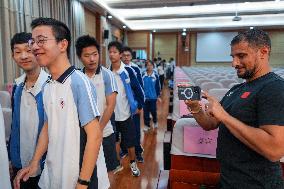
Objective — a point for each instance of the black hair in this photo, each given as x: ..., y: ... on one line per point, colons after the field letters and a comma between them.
x: 20, y: 38
x: 115, y: 44
x: 125, y: 48
x: 59, y: 29
x: 149, y: 61
x: 85, y: 41
x: 254, y: 37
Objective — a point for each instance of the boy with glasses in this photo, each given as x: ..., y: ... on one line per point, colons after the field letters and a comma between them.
x: 129, y: 101
x: 126, y: 59
x: 71, y: 131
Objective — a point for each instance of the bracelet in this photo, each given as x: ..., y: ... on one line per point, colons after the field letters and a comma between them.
x: 194, y: 112
x: 83, y: 182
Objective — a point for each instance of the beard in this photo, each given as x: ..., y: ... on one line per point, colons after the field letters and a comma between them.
x: 248, y: 74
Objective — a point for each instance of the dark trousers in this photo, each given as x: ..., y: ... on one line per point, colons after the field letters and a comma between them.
x: 31, y: 183
x: 161, y: 78
x: 138, y: 148
x: 150, y: 106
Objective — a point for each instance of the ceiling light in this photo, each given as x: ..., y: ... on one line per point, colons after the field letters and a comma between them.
x: 237, y: 17
x: 183, y: 33
x: 251, y: 27
x: 184, y: 29
x: 124, y: 26
x: 109, y: 17
x: 154, y: 31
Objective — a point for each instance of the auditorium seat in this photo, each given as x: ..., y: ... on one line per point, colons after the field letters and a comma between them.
x: 227, y: 82
x: 232, y: 84
x: 179, y: 179
x: 218, y: 93
x: 198, y: 82
x: 210, y: 85
x: 5, y: 99
x: 218, y: 78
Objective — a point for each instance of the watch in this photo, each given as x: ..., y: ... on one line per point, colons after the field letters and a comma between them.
x: 83, y: 182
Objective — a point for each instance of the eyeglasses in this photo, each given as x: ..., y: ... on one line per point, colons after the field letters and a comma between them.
x: 40, y: 41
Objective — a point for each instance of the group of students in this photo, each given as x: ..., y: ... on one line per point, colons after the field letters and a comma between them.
x: 69, y: 125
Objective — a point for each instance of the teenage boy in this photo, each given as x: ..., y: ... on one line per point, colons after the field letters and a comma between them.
x: 71, y: 131
x: 88, y: 51
x: 28, y: 114
x: 126, y: 59
x: 129, y: 101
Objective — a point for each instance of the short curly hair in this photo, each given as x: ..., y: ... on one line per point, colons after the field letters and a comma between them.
x: 254, y: 37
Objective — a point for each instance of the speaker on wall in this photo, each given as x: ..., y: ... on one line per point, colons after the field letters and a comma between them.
x: 106, y: 33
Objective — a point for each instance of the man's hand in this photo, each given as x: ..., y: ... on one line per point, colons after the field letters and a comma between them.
x: 25, y: 173
x: 214, y: 108
x: 192, y: 105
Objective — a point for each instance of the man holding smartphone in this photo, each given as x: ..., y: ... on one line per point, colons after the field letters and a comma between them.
x: 249, y: 117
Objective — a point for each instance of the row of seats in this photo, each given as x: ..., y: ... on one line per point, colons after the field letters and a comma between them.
x: 5, y: 101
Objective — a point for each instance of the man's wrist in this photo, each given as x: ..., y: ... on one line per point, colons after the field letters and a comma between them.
x: 192, y: 111
x: 83, y: 182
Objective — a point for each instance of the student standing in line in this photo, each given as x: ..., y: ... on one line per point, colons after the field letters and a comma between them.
x: 88, y: 51
x: 28, y: 113
x: 161, y: 71
x: 152, y: 92
x: 126, y: 59
x: 129, y: 101
x: 4, y: 162
x: 71, y: 132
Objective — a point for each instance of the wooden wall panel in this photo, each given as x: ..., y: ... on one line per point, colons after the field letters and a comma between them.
x: 137, y: 39
x: 183, y: 50
x: 165, y: 44
x: 90, y: 23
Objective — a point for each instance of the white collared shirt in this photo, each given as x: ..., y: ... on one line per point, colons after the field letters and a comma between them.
x: 29, y: 120
x: 69, y: 104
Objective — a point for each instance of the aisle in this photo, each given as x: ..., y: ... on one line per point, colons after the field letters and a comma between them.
x: 153, y: 155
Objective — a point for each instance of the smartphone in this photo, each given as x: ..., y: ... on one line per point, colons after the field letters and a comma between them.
x: 189, y: 92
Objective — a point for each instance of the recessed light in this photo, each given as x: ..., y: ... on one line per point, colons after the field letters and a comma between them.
x: 251, y: 28
x: 184, y: 29
x: 154, y: 30
x: 237, y: 18
x: 109, y: 17
x: 124, y: 26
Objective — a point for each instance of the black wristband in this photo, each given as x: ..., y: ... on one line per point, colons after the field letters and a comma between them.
x: 83, y: 182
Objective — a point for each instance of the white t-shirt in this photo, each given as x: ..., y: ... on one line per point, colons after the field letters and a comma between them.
x: 161, y: 70
x: 4, y: 163
x: 69, y: 104
x: 122, y: 107
x: 105, y: 84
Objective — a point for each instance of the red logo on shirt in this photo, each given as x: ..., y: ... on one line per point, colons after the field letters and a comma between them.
x: 245, y: 94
